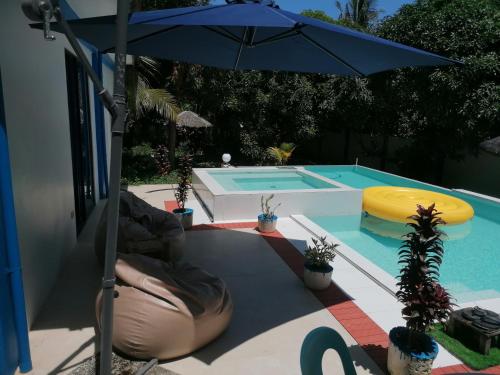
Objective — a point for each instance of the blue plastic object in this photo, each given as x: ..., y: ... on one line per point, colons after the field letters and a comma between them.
x: 102, y: 159
x: 14, y: 343
x: 253, y: 35
x: 316, y: 343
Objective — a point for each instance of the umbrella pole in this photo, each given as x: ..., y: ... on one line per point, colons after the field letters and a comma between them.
x: 117, y: 130
x: 117, y: 107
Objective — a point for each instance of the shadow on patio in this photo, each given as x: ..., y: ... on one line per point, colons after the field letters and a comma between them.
x: 272, y: 309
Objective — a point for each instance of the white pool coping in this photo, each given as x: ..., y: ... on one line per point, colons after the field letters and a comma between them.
x: 376, y: 301
x: 478, y: 195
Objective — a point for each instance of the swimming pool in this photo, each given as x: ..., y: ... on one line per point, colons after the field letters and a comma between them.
x: 471, y: 265
x: 234, y: 180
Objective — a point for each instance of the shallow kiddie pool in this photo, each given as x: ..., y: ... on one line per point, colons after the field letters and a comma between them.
x: 234, y: 180
x: 235, y: 193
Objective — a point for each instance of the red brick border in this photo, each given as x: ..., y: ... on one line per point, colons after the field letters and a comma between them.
x: 364, y: 330
x: 360, y: 326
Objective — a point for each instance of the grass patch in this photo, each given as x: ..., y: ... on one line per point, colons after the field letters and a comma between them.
x: 471, y: 358
x: 152, y: 180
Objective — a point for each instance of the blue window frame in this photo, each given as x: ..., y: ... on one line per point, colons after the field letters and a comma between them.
x: 100, y: 133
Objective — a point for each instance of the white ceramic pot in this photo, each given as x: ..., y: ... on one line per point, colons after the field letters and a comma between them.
x: 397, y: 361
x: 317, y: 280
x: 267, y: 225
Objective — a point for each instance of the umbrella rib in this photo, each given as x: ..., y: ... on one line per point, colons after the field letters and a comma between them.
x: 283, y: 16
x: 225, y: 34
x: 182, y: 14
x: 240, y: 49
x: 107, y: 50
x: 331, y: 54
x: 278, y: 37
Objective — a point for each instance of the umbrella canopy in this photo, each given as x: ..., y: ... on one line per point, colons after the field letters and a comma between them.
x: 190, y: 119
x: 253, y: 35
x: 491, y: 145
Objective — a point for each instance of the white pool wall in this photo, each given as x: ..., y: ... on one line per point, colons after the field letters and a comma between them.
x: 225, y: 205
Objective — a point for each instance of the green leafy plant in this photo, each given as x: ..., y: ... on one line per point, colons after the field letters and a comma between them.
x: 282, y: 154
x: 268, y: 212
x: 184, y: 180
x: 425, y: 301
x: 143, y: 92
x: 321, y: 253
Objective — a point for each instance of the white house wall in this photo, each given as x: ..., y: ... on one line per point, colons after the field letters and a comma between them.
x: 35, y: 95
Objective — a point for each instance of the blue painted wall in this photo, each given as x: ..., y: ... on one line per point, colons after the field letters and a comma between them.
x: 14, y: 344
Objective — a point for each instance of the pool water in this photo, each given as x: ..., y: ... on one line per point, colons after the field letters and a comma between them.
x: 268, y: 180
x: 471, y: 264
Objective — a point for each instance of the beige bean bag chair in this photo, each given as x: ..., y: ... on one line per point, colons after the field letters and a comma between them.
x: 162, y: 312
x: 143, y: 229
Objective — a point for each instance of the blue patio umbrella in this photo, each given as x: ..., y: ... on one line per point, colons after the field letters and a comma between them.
x: 241, y: 34
x: 253, y: 35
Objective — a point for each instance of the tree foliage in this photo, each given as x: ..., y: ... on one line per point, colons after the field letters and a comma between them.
x: 441, y: 112
x: 446, y: 111
x: 358, y: 12
x: 250, y: 109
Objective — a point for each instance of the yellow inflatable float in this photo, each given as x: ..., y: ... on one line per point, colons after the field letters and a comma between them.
x: 398, y: 203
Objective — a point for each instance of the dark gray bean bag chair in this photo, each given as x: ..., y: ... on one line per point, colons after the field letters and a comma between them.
x: 143, y: 229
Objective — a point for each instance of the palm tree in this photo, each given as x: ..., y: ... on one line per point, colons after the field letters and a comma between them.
x: 360, y: 12
x: 144, y: 97
x: 281, y: 154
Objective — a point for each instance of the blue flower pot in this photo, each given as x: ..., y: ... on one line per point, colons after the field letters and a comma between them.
x: 267, y: 224
x: 401, y: 360
x: 185, y: 216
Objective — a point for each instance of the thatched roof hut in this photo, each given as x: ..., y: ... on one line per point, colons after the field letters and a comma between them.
x: 190, y: 119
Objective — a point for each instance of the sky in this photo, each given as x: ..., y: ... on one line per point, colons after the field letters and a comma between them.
x: 389, y: 6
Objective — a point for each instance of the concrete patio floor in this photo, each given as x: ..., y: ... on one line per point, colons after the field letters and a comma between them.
x: 273, y: 311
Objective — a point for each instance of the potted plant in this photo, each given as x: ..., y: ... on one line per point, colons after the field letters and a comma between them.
x: 267, y: 219
x: 317, y: 268
x: 411, y: 350
x: 185, y: 215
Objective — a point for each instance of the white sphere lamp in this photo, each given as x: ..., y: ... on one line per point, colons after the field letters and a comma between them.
x: 226, y: 158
